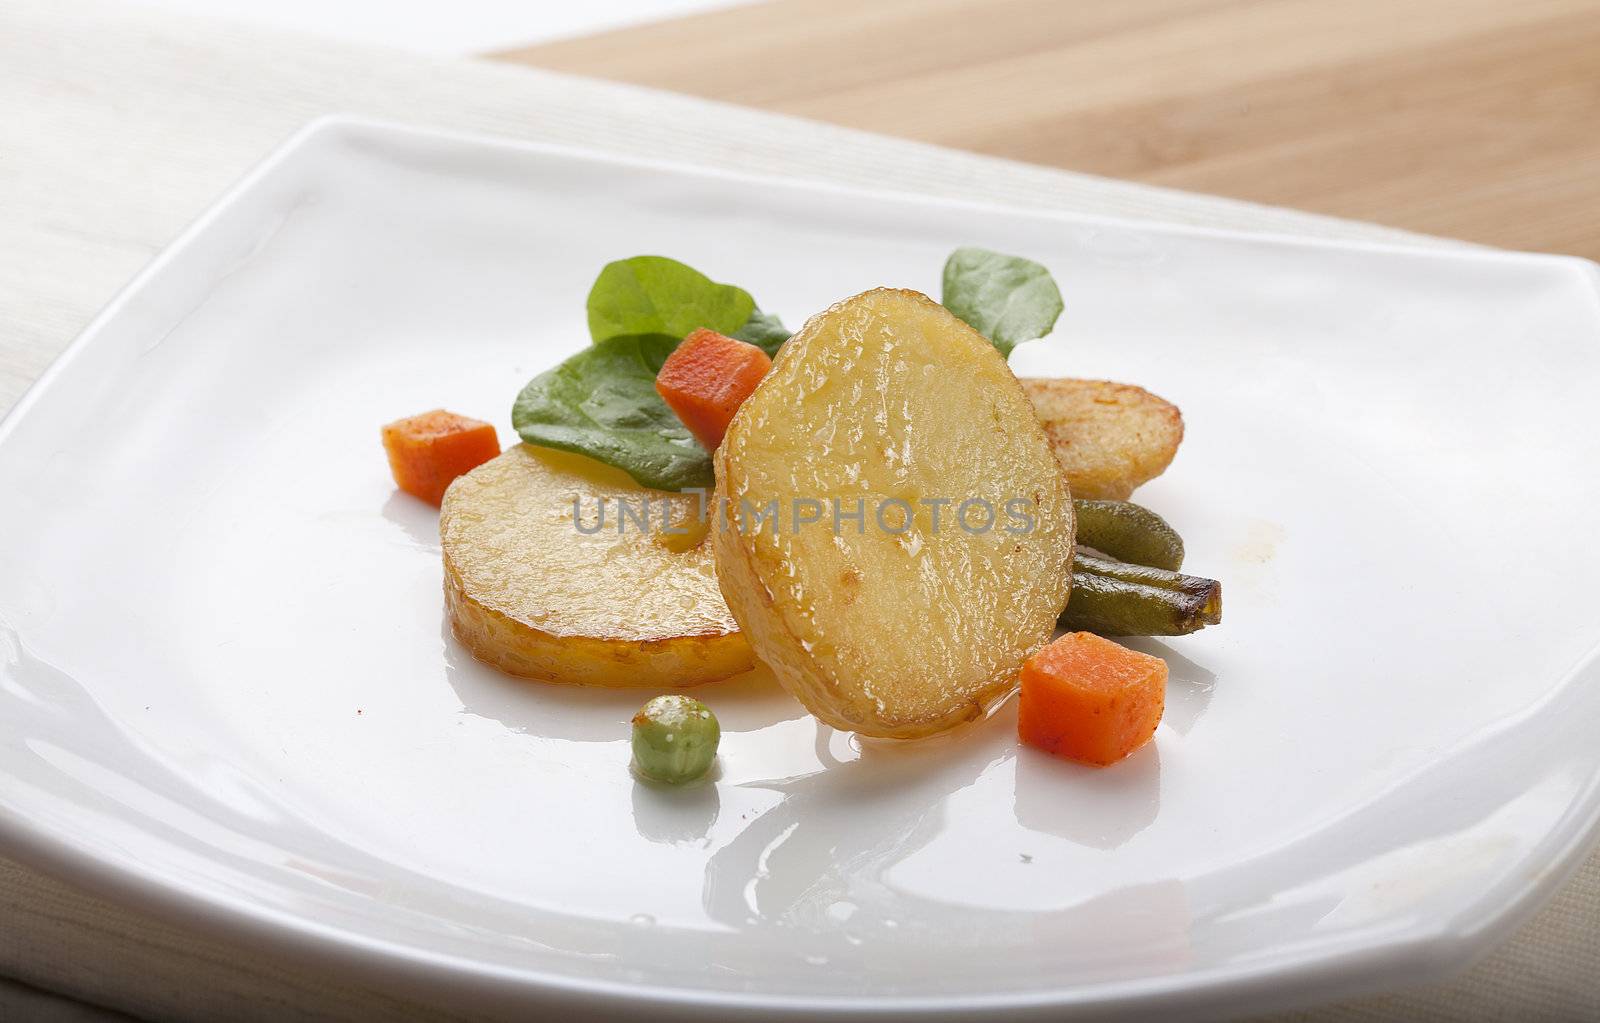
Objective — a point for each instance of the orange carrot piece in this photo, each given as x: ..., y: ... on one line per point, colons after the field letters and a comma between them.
x: 429, y: 451
x: 707, y: 378
x: 1088, y: 699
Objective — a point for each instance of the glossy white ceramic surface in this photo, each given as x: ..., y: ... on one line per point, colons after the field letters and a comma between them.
x: 226, y: 691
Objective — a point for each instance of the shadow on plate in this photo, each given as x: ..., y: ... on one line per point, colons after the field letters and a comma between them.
x: 676, y: 814
x: 835, y: 832
x: 1189, y: 685
x: 417, y: 519
x: 1102, y: 807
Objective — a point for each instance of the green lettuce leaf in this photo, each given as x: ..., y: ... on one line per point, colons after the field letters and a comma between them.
x: 765, y: 331
x: 602, y: 402
x: 657, y: 295
x: 1007, y: 299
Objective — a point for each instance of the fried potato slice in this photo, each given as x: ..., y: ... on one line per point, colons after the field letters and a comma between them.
x: 1110, y: 438
x: 903, y: 628
x: 529, y: 593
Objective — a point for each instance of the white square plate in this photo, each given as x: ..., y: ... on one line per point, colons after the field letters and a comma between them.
x: 225, y: 690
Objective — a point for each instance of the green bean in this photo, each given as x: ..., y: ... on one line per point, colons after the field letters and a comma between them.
x: 674, y: 739
x: 1088, y: 559
x: 1129, y: 532
x: 1116, y: 599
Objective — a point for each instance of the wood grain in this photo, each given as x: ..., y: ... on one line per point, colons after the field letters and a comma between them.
x: 1476, y: 119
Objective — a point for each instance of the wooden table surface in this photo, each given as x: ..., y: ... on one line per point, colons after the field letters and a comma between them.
x: 1475, y: 119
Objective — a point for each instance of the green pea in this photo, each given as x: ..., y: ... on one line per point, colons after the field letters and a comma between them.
x: 674, y: 739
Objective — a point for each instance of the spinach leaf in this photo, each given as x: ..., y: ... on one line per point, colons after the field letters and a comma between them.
x: 1007, y: 299
x: 764, y: 330
x: 657, y: 295
x: 603, y: 403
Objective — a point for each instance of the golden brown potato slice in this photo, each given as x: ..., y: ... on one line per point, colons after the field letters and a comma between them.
x: 1109, y: 437
x: 529, y: 593
x: 901, y: 628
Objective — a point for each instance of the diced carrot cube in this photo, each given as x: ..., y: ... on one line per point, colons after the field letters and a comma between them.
x: 705, y: 380
x: 427, y: 452
x: 1088, y: 699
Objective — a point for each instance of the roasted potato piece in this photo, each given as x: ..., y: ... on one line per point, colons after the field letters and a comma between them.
x: 902, y: 628
x: 1109, y: 437
x: 529, y: 593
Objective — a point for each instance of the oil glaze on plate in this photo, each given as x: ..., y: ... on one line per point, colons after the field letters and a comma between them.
x: 226, y: 692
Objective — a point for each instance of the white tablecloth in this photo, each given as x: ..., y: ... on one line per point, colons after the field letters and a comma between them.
x: 119, y: 125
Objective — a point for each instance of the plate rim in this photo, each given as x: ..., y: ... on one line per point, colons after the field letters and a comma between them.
x: 1414, y: 955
